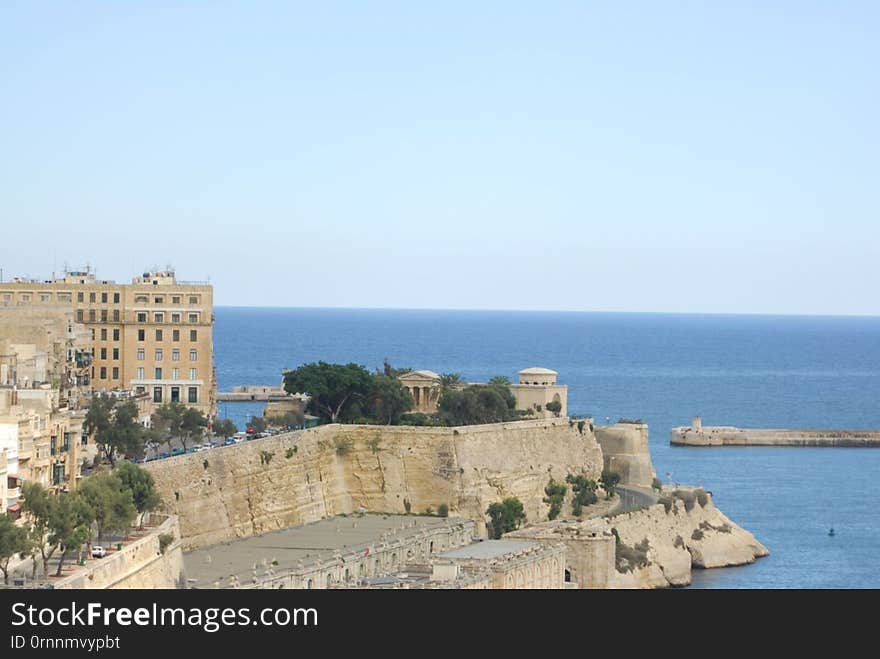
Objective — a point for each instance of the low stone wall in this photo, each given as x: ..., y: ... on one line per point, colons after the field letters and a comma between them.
x: 731, y: 436
x: 304, y: 476
x: 140, y: 564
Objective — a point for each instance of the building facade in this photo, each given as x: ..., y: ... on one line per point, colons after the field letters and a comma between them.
x: 153, y: 336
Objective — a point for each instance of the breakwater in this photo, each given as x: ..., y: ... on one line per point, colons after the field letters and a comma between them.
x: 699, y: 435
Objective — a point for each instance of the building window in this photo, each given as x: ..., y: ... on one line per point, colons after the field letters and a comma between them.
x: 58, y: 473
x: 142, y: 317
x: 140, y: 373
x: 140, y: 354
x: 175, y: 299
x: 194, y: 318
x: 193, y: 394
x: 175, y: 318
x: 116, y: 335
x: 141, y: 299
x: 141, y: 335
x: 103, y: 333
x: 158, y: 354
x: 175, y: 373
x: 193, y: 355
x: 115, y: 353
x: 175, y: 394
x: 115, y: 372
x: 193, y: 299
x: 103, y: 353
x: 157, y: 394
x: 45, y: 297
x: 159, y: 317
x: 79, y: 315
x: 158, y: 373
x: 158, y: 335
x: 53, y: 445
x: 193, y: 335
x: 103, y: 298
x: 25, y: 297
x: 91, y: 315
x: 139, y: 390
x: 103, y: 315
x: 116, y: 298
x: 116, y: 315
x: 103, y: 372
x: 175, y: 355
x: 80, y: 297
x: 7, y: 297
x: 64, y: 297
x: 158, y: 299
x: 193, y: 374
x: 91, y: 297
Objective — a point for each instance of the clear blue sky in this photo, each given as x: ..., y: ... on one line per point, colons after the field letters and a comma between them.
x: 640, y: 156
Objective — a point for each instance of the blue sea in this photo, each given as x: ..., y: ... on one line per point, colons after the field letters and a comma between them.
x: 750, y: 371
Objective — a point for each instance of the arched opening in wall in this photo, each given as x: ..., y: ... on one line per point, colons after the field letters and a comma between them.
x: 347, y: 574
x: 556, y: 398
x: 567, y: 576
x: 394, y: 558
x: 309, y: 584
x: 329, y: 579
x: 431, y: 550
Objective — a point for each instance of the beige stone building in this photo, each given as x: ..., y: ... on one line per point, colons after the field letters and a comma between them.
x: 152, y: 336
x: 536, y: 387
x: 424, y: 387
x: 4, y: 483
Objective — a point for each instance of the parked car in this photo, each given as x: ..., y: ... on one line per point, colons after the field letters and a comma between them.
x: 164, y: 454
x: 177, y: 451
x: 229, y: 441
x: 98, y: 552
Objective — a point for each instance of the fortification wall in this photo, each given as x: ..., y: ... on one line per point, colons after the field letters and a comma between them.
x: 625, y: 451
x: 300, y: 477
x: 140, y: 564
x: 731, y: 436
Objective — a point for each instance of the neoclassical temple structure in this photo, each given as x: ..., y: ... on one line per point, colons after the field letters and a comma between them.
x: 536, y: 387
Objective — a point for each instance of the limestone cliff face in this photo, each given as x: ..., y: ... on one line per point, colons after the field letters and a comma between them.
x: 301, y: 477
x: 680, y: 539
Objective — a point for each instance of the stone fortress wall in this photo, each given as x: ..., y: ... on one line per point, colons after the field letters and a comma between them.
x: 304, y: 476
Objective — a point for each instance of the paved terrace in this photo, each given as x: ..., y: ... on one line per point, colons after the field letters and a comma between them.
x: 301, y: 546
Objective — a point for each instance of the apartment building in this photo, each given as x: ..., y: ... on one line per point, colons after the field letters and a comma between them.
x: 153, y: 336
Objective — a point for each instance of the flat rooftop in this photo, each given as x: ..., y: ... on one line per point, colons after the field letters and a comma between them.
x: 489, y: 549
x: 310, y: 543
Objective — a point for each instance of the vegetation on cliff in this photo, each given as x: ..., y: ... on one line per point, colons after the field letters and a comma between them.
x: 555, y: 494
x: 505, y: 516
x: 584, y: 490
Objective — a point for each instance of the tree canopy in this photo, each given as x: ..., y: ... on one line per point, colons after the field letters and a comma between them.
x: 115, y: 427
x: 177, y: 421
x: 505, y: 517
x: 389, y: 399
x: 477, y: 404
x: 13, y: 540
x: 331, y: 387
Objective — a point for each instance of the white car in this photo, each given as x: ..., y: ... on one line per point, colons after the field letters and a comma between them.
x: 98, y: 552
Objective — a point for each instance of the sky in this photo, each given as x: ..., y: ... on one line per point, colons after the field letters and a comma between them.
x: 712, y: 157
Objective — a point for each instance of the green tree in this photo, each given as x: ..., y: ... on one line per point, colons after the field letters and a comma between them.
x: 391, y: 372
x: 224, y: 428
x: 450, y: 380
x: 70, y: 524
x: 331, y: 387
x: 13, y: 540
x: 505, y: 517
x: 192, y: 426
x: 476, y: 404
x: 166, y: 421
x: 555, y: 494
x: 139, y: 482
x: 584, y: 490
x: 389, y: 399
x: 38, y: 505
x: 609, y: 480
x: 112, y: 508
x: 292, y: 419
x: 554, y: 406
x: 115, y: 427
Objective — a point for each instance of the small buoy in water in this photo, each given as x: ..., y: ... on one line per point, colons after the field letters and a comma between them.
x: 831, y: 532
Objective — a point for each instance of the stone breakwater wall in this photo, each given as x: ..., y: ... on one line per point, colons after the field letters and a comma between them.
x: 140, y: 564
x: 731, y: 436
x: 301, y: 477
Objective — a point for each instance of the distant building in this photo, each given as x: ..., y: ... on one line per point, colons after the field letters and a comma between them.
x: 536, y: 387
x: 153, y: 336
x: 4, y: 484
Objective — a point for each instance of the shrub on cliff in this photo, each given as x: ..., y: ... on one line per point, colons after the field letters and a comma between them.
x: 628, y: 558
x: 555, y: 494
x: 554, y: 406
x: 476, y: 404
x: 584, y: 490
x: 609, y: 480
x: 505, y: 517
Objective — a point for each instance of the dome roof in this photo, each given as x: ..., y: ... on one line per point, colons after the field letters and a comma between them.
x: 537, y: 370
